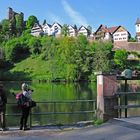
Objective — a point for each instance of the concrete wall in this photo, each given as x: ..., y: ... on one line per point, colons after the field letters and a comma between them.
x: 106, y: 87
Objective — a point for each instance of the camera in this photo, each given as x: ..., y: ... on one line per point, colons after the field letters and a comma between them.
x: 30, y: 90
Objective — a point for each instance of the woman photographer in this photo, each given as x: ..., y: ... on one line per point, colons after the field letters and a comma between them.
x: 25, y: 108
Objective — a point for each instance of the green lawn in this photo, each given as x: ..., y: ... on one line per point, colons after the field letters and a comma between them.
x: 35, y: 68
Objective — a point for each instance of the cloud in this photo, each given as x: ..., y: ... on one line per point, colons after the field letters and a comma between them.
x: 76, y: 17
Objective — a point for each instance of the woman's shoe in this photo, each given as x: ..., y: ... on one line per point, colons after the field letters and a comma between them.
x: 5, y: 129
x: 26, y: 128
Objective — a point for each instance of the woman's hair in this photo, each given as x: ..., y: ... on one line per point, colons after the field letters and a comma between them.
x: 24, y: 86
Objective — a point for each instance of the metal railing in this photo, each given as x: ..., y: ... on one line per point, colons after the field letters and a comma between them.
x: 57, y: 103
x: 123, y: 102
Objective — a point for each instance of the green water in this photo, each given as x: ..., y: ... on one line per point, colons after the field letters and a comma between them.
x: 50, y: 92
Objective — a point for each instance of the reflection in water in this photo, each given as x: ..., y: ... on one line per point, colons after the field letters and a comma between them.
x: 46, y: 92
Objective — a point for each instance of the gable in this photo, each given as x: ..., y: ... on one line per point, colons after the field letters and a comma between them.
x: 121, y: 29
x: 56, y: 25
x: 83, y: 29
x: 102, y: 29
x: 70, y: 27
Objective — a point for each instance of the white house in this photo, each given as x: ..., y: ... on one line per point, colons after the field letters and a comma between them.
x: 137, y: 25
x: 119, y: 34
x: 83, y: 30
x: 46, y: 29
x: 56, y: 29
x: 115, y: 33
x: 72, y: 31
x: 37, y: 30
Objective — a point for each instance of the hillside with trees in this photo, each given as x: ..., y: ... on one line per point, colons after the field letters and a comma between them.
x: 48, y: 58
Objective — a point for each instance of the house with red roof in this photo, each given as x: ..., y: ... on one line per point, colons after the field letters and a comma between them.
x: 114, y: 34
x: 102, y: 33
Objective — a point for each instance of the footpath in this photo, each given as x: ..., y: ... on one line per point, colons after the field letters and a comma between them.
x: 116, y: 129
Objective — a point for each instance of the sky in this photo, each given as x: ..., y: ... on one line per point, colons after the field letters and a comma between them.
x: 79, y: 12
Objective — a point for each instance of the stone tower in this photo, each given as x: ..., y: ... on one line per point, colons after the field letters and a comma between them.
x: 137, y: 24
x: 10, y: 13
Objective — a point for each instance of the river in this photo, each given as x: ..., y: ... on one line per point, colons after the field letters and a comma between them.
x: 55, y: 94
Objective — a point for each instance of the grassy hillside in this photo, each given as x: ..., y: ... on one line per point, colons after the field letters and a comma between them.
x: 35, y: 68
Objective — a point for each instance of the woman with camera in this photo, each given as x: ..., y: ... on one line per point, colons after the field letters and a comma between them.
x: 25, y: 107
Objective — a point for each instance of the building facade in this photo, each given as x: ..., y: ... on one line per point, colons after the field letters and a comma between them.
x: 121, y: 34
x: 114, y: 34
x: 37, y: 30
x: 102, y: 33
x: 56, y: 29
x: 84, y: 31
x: 72, y: 31
x: 137, y: 25
x: 46, y: 29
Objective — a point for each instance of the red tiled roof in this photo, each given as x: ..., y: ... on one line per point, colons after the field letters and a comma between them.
x: 104, y: 28
x: 112, y: 29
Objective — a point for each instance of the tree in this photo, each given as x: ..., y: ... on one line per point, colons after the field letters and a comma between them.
x: 31, y: 21
x: 120, y: 58
x: 44, y: 22
x: 132, y: 39
x: 5, y: 28
x: 19, y: 24
x: 101, y: 57
x: 64, y: 30
x: 90, y: 29
x: 75, y: 27
x: 35, y: 45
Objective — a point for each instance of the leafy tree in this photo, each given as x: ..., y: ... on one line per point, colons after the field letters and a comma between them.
x: 5, y: 25
x: 132, y: 39
x: 35, y: 45
x: 31, y: 21
x: 19, y: 24
x: 44, y: 22
x: 101, y: 59
x: 64, y: 30
x: 5, y: 28
x: 75, y: 27
x: 120, y: 58
x: 90, y: 29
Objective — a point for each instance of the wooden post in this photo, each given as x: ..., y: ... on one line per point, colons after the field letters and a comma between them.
x: 125, y: 97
